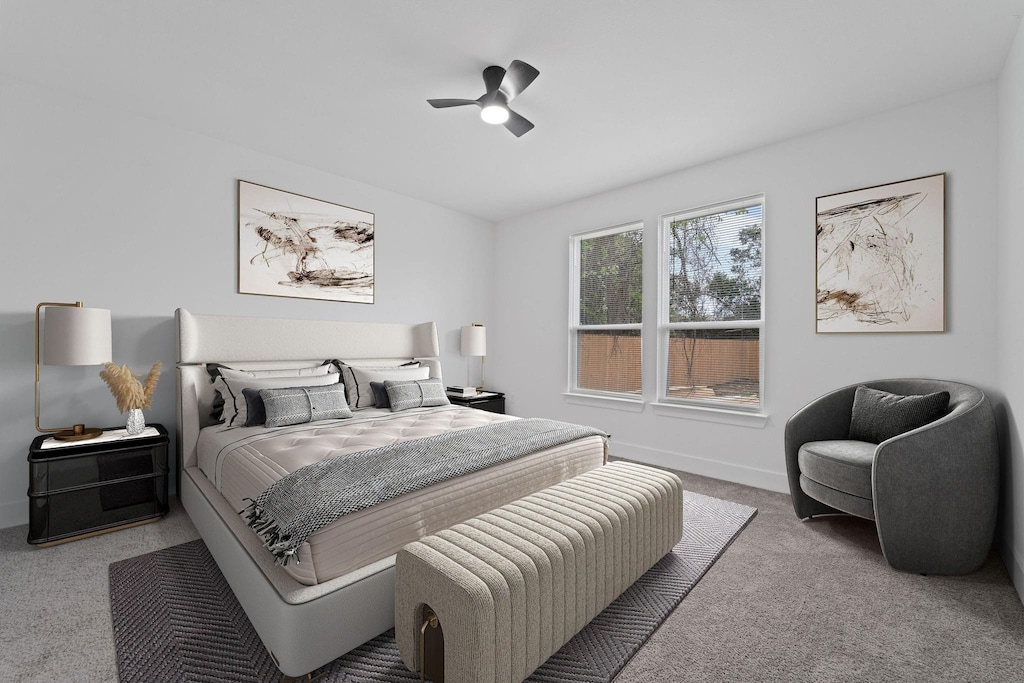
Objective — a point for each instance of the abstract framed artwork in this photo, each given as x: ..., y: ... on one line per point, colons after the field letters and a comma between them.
x: 296, y: 246
x: 881, y: 258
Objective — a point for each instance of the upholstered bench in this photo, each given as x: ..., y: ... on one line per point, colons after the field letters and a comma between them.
x: 511, y: 586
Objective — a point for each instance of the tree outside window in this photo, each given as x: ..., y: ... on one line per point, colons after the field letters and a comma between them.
x: 712, y: 314
x: 605, y: 344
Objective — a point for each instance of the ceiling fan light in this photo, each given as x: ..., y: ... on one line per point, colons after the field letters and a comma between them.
x: 494, y: 114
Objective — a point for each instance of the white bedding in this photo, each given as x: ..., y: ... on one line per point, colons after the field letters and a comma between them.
x: 241, y: 462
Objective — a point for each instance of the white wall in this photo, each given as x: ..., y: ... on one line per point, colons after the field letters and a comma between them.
x: 132, y: 215
x: 955, y: 134
x: 1011, y: 306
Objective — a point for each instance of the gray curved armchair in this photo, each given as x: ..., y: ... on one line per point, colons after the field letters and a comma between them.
x: 932, y: 492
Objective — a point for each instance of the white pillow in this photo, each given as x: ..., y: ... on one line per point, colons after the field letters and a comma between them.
x: 357, y: 381
x: 235, y: 409
x: 314, y: 371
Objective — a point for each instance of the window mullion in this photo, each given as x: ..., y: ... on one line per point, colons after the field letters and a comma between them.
x: 715, y: 325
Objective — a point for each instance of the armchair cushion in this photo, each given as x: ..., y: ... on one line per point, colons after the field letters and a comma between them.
x: 880, y: 415
x: 842, y: 465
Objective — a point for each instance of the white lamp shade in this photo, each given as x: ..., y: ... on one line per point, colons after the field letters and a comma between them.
x: 73, y: 335
x: 474, y: 340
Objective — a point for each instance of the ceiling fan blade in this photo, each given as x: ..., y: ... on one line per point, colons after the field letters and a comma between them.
x: 518, y: 76
x: 492, y: 77
x: 517, y: 125
x: 441, y: 104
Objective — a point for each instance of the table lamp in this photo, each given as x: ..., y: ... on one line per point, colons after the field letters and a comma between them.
x: 72, y: 335
x: 474, y: 343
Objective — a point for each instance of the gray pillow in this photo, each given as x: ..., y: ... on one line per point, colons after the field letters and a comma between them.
x: 216, y: 370
x: 380, y: 395
x: 235, y: 406
x: 304, y: 404
x: 879, y: 415
x: 255, y: 411
x: 357, y: 379
x: 418, y: 393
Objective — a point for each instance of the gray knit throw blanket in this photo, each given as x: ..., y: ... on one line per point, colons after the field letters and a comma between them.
x: 311, y: 498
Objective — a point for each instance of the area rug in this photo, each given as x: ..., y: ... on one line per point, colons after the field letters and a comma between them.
x: 176, y: 619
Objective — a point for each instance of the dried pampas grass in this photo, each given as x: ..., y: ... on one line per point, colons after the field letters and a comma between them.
x: 126, y: 388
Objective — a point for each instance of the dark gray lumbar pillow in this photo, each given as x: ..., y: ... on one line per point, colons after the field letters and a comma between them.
x: 879, y: 415
x: 304, y: 404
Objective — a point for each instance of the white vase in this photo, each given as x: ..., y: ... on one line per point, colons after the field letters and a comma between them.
x: 136, y: 421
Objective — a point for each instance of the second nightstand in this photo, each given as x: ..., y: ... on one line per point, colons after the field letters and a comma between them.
x: 491, y: 401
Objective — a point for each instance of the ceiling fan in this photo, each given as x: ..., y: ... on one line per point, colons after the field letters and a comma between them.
x: 503, y: 86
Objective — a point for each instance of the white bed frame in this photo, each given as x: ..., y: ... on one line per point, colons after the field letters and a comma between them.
x: 303, y: 627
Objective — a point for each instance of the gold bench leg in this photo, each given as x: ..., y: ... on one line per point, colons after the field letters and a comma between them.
x: 432, y: 666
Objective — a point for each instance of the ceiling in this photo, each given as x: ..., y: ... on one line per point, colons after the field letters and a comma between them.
x: 627, y: 90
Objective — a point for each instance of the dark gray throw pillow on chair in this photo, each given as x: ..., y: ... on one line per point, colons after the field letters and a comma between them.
x: 879, y: 415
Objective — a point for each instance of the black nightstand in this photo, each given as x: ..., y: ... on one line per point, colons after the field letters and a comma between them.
x: 491, y: 401
x: 93, y: 488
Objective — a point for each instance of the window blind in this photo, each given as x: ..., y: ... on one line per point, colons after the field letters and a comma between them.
x: 712, y: 305
x: 611, y: 279
x: 606, y: 344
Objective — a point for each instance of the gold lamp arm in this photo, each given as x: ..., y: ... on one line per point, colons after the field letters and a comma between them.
x: 38, y: 309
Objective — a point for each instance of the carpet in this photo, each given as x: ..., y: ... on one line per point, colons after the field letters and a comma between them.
x: 176, y: 619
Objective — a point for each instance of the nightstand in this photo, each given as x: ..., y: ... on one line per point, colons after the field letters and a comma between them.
x: 491, y: 401
x: 92, y: 488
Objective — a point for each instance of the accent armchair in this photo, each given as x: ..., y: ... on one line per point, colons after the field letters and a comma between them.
x: 932, y: 491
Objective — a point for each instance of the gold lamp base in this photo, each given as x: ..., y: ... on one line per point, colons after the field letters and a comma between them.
x: 78, y: 433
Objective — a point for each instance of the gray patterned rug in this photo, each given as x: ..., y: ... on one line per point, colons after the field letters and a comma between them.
x: 175, y: 619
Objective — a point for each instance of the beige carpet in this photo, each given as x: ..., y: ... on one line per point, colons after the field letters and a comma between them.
x: 789, y: 601
x: 816, y: 601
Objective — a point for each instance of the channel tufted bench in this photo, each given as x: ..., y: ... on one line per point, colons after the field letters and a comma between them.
x: 511, y: 586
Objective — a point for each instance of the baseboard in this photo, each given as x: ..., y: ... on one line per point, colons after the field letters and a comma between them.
x: 13, y: 514
x: 1013, y: 566
x: 740, y: 474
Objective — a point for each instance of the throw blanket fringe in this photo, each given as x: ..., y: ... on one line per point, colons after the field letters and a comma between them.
x: 311, y: 498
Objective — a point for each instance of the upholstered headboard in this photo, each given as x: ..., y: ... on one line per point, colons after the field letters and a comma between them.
x: 266, y: 342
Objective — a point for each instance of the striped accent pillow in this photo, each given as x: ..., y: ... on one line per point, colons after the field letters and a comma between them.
x: 304, y: 404
x: 422, y: 393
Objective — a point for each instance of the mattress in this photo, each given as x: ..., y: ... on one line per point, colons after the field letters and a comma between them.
x: 242, y: 462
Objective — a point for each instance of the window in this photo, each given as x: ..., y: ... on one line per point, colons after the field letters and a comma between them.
x: 606, y: 311
x: 711, y: 289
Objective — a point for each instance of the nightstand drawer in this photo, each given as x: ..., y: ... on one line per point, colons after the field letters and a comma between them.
x: 75, y: 512
x: 57, y: 474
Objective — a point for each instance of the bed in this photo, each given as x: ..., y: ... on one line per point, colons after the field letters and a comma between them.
x: 340, y: 592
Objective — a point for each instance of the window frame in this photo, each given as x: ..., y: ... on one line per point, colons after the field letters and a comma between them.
x: 695, y: 407
x: 615, y: 398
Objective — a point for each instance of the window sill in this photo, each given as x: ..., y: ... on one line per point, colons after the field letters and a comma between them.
x: 633, y: 405
x: 719, y: 415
